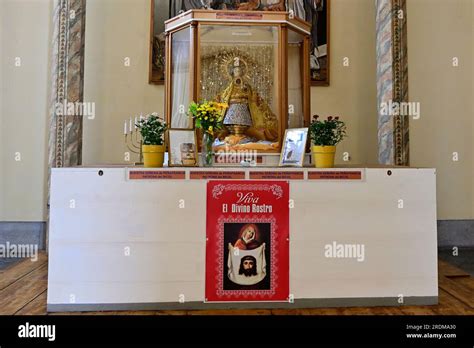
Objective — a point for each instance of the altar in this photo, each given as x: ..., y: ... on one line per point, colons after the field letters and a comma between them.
x: 127, y: 238
x: 235, y: 200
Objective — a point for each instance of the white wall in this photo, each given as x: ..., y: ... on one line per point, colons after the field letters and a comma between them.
x: 25, y: 33
x: 438, y: 31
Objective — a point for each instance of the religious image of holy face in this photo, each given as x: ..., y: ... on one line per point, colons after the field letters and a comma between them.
x: 247, y: 254
x: 248, y: 266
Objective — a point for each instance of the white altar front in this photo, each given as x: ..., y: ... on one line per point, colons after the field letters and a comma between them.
x: 130, y: 238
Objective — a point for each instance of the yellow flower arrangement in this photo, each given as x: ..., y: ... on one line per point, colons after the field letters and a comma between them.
x: 208, y: 115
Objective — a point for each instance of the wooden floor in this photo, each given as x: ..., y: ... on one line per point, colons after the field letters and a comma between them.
x: 23, y: 289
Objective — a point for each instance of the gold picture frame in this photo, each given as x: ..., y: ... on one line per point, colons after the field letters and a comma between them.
x: 294, y: 147
x: 179, y: 149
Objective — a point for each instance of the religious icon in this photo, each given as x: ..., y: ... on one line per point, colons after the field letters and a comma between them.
x: 247, y: 239
x: 246, y: 266
x: 249, y: 119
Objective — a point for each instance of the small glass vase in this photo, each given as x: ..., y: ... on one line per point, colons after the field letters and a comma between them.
x: 206, y: 152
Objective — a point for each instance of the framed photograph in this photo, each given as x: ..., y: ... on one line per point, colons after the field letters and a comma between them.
x: 182, y: 147
x: 294, y: 147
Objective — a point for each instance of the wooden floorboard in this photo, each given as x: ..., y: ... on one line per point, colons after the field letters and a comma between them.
x: 458, y: 290
x: 36, y: 306
x: 23, y: 291
x: 231, y: 312
x: 417, y: 310
x: 450, y: 271
x: 21, y: 269
x: 467, y: 282
x: 450, y: 305
x: 104, y: 313
x: 372, y: 311
x: 309, y: 311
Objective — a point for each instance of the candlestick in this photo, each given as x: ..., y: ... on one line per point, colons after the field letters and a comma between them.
x: 133, y: 141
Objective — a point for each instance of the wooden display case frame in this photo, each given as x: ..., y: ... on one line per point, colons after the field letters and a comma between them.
x: 194, y: 19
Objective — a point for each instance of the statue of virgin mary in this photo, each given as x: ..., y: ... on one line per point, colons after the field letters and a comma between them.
x: 248, y: 109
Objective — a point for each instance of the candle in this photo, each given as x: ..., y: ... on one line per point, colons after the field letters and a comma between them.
x: 130, y: 126
x: 125, y: 128
x: 136, y: 121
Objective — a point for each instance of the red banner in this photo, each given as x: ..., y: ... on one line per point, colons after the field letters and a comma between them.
x: 247, y: 251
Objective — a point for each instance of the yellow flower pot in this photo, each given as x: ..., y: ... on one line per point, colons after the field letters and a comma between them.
x: 323, y: 156
x: 153, y: 155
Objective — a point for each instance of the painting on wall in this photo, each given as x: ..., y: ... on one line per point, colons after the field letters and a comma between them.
x: 160, y: 12
x: 313, y: 11
x: 320, y: 43
x: 317, y: 13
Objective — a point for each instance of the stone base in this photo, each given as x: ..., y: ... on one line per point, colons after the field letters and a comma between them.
x: 23, y: 233
x: 459, y: 233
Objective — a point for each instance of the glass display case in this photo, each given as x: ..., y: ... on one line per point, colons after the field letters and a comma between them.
x: 255, y: 62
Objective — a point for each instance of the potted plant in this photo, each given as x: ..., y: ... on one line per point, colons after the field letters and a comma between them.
x: 152, y: 129
x: 208, y: 116
x: 325, y: 135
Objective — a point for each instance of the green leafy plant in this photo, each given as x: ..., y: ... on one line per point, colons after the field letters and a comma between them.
x: 152, y: 128
x: 329, y: 132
